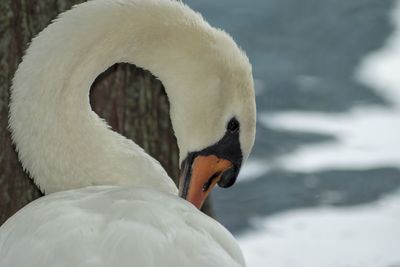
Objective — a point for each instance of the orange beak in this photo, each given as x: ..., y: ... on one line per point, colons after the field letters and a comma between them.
x: 200, y: 176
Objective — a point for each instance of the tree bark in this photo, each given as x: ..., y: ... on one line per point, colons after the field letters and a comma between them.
x: 130, y: 99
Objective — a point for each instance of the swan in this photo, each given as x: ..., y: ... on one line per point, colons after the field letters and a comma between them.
x: 107, y: 202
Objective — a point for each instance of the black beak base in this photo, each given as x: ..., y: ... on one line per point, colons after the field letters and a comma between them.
x: 227, y: 148
x: 228, y: 177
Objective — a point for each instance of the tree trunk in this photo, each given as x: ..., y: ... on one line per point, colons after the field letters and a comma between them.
x: 132, y: 101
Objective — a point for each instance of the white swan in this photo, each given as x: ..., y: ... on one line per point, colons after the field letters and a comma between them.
x: 111, y: 203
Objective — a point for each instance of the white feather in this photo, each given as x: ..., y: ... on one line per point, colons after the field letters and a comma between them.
x: 64, y: 145
x: 115, y: 226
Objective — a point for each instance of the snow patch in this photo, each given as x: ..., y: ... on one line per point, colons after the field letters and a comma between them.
x: 366, y: 137
x: 360, y: 236
x: 253, y: 169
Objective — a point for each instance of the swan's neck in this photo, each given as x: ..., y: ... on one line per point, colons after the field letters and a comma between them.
x: 60, y: 140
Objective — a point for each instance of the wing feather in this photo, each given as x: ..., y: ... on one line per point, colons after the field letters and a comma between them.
x: 114, y: 226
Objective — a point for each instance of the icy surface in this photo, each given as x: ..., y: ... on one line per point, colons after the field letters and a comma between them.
x: 366, y: 137
x: 253, y: 169
x: 360, y: 236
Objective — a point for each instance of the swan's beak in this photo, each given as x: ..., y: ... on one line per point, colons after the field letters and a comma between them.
x: 200, y: 173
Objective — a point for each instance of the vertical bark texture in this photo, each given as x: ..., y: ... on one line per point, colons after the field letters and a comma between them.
x: 130, y: 99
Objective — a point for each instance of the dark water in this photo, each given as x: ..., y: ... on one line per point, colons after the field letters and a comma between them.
x: 304, y: 54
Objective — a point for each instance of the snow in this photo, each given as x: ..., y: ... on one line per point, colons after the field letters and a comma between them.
x: 367, y: 136
x: 360, y: 236
x: 253, y: 169
x: 380, y: 69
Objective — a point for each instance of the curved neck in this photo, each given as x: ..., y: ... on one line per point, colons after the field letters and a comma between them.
x: 60, y: 140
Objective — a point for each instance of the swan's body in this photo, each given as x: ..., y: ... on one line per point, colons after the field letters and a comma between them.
x: 114, y: 226
x: 64, y: 145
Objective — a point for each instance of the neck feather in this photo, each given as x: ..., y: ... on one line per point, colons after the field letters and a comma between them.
x: 61, y: 142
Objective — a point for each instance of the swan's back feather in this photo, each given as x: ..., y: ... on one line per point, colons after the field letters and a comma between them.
x: 114, y: 226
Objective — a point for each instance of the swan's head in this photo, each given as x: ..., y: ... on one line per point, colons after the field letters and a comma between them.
x: 214, y: 114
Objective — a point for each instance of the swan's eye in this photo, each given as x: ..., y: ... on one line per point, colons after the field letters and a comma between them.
x: 233, y: 126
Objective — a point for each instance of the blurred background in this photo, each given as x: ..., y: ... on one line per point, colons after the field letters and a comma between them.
x: 321, y: 187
